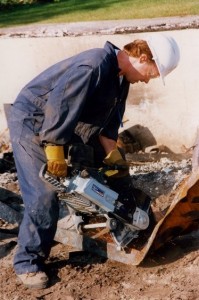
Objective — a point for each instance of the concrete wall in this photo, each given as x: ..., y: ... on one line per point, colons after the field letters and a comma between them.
x: 170, y: 112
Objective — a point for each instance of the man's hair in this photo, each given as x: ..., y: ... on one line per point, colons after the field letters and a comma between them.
x: 138, y: 47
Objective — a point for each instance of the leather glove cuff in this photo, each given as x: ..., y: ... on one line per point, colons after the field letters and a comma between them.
x: 54, y: 152
x: 113, y: 157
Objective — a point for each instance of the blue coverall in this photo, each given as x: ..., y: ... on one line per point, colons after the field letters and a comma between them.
x: 81, y: 96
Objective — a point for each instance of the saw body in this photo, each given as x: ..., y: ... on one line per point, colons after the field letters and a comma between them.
x: 90, y: 200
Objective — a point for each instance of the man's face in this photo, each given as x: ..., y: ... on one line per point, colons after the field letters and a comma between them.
x: 141, y: 69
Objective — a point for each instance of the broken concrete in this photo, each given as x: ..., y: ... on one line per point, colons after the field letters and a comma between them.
x: 109, y: 27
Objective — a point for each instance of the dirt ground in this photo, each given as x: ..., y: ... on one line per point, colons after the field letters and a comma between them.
x: 171, y: 273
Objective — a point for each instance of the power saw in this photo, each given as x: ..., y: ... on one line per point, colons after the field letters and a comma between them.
x: 98, y: 209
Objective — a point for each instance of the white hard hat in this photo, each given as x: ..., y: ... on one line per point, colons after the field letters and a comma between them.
x: 165, y: 51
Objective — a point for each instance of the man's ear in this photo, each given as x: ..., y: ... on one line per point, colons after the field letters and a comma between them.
x: 143, y: 58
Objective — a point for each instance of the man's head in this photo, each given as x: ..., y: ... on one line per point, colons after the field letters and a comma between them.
x: 165, y: 51
x: 155, y: 56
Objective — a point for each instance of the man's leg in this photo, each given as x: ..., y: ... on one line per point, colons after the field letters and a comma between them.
x: 41, y: 213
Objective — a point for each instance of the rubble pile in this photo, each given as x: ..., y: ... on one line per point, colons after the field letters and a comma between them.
x: 155, y: 178
x: 78, y: 272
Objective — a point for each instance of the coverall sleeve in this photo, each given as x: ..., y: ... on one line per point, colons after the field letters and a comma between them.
x: 112, y: 127
x: 65, y: 104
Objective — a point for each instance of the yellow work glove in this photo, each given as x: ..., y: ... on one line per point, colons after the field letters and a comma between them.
x: 114, y: 159
x: 56, y: 163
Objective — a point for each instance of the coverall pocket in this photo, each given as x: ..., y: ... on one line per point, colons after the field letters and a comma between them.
x: 15, y: 124
x: 30, y: 133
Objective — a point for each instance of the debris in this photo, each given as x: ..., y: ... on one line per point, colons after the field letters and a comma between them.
x: 7, y: 163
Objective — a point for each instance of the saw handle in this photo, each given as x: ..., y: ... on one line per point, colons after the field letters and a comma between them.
x: 51, y: 179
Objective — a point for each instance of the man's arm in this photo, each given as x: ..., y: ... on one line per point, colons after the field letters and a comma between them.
x: 113, y: 158
x: 65, y: 104
x: 108, y: 144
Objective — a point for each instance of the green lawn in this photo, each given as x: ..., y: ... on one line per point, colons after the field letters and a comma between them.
x: 92, y: 10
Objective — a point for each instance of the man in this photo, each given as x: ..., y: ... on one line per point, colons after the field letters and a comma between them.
x: 78, y: 100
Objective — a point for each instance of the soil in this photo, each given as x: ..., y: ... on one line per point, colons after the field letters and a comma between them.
x: 173, y: 274
x: 170, y: 273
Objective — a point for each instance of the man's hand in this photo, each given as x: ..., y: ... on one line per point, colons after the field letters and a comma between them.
x: 56, y: 163
x: 120, y: 166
